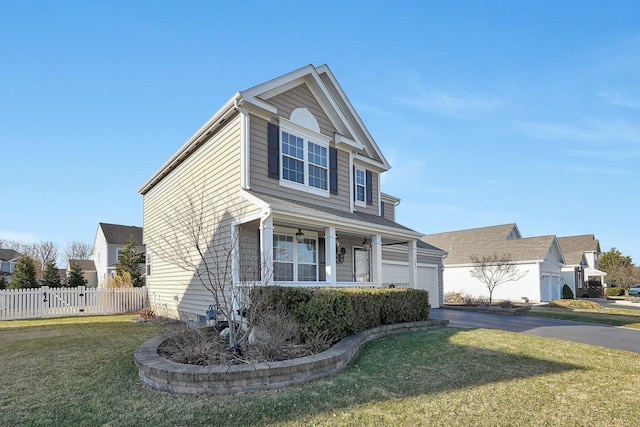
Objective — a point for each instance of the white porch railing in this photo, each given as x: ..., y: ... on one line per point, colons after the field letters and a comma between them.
x: 55, y: 302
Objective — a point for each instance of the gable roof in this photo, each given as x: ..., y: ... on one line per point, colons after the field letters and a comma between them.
x: 119, y: 234
x: 84, y: 264
x: 574, y: 247
x: 583, y: 242
x: 325, y: 88
x: 463, y: 245
x: 9, y: 254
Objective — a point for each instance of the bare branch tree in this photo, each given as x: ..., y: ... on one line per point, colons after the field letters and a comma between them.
x: 41, y: 253
x: 78, y: 250
x: 198, y: 233
x: 494, y: 270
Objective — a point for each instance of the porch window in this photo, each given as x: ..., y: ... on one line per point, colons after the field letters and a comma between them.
x: 294, y: 262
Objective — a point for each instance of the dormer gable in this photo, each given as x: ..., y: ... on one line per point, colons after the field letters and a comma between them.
x: 350, y: 133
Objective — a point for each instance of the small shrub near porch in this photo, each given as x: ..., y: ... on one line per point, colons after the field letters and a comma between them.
x: 339, y: 312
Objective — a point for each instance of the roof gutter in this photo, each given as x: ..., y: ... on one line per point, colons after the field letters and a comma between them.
x: 215, y: 122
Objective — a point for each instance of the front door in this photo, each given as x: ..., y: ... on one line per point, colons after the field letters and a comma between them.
x: 361, y: 265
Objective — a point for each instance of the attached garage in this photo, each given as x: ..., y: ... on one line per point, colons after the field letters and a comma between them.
x: 397, y: 273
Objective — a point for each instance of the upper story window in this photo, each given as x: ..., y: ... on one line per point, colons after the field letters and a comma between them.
x: 304, y: 159
x: 361, y: 185
x: 299, y: 155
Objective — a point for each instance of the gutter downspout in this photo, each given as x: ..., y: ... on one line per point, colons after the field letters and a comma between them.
x: 245, y: 134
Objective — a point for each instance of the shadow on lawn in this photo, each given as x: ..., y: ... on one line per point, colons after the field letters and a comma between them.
x: 397, y: 367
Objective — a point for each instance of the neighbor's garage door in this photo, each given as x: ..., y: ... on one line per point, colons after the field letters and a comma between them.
x: 396, y: 273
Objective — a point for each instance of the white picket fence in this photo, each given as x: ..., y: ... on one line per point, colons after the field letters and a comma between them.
x: 55, y: 302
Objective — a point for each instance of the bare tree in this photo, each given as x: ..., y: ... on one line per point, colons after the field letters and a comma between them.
x: 41, y: 253
x: 78, y: 250
x: 195, y: 234
x: 494, y: 270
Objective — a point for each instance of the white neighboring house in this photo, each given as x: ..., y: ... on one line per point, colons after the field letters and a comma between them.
x: 581, y: 253
x: 109, y: 242
x: 88, y: 268
x: 8, y: 260
x: 540, y: 258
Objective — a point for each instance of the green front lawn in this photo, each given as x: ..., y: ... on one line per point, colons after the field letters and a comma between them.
x: 80, y: 372
x: 581, y: 311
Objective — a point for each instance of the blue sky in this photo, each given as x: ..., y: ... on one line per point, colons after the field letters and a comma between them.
x: 489, y: 112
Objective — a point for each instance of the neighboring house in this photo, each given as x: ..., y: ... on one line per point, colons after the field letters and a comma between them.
x: 109, y: 242
x: 294, y: 157
x: 62, y: 273
x: 581, y: 255
x: 88, y: 268
x: 540, y: 258
x: 8, y: 260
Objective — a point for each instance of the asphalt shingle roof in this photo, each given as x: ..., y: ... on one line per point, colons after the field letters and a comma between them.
x: 463, y: 245
x: 119, y: 234
x: 85, y: 264
x: 319, y: 211
x: 573, y: 247
x: 9, y: 254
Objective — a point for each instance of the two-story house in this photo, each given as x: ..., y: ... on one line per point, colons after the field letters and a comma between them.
x: 8, y: 260
x: 581, y: 253
x: 288, y: 170
x: 109, y: 242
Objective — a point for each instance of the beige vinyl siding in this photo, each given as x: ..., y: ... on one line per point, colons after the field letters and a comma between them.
x: 213, y: 170
x: 261, y: 182
x: 301, y: 97
x: 352, y: 120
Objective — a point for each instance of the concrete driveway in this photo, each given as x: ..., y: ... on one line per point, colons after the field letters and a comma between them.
x: 587, y: 333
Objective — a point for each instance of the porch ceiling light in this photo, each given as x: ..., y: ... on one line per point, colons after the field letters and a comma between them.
x: 366, y: 244
x: 300, y: 236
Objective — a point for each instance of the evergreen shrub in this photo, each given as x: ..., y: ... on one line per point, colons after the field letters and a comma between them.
x: 343, y: 311
x: 567, y: 293
x: 614, y: 292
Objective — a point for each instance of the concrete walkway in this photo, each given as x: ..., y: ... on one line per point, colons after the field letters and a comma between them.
x: 587, y: 333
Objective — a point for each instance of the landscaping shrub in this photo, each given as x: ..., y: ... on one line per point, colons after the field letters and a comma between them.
x: 338, y: 312
x: 573, y: 303
x: 147, y: 314
x: 460, y: 297
x: 593, y: 290
x: 614, y: 292
x: 567, y: 293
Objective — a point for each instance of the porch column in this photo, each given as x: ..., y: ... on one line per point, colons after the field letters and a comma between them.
x: 376, y: 260
x: 266, y: 250
x: 330, y: 255
x: 413, y: 265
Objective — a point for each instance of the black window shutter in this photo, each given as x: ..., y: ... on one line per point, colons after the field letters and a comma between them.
x: 369, y: 188
x: 381, y: 208
x: 333, y: 170
x: 273, y: 142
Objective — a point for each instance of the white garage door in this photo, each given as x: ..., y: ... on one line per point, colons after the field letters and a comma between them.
x: 398, y: 274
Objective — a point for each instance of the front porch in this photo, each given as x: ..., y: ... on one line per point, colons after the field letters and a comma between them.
x: 314, y: 253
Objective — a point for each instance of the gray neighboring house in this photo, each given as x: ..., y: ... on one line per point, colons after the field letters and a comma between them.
x: 539, y: 258
x: 8, y: 261
x: 581, y: 253
x: 88, y: 268
x: 109, y: 242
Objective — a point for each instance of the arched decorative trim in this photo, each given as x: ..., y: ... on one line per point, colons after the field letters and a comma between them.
x: 304, y: 118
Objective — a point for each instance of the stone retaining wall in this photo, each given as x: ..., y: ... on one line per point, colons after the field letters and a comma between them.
x: 164, y: 374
